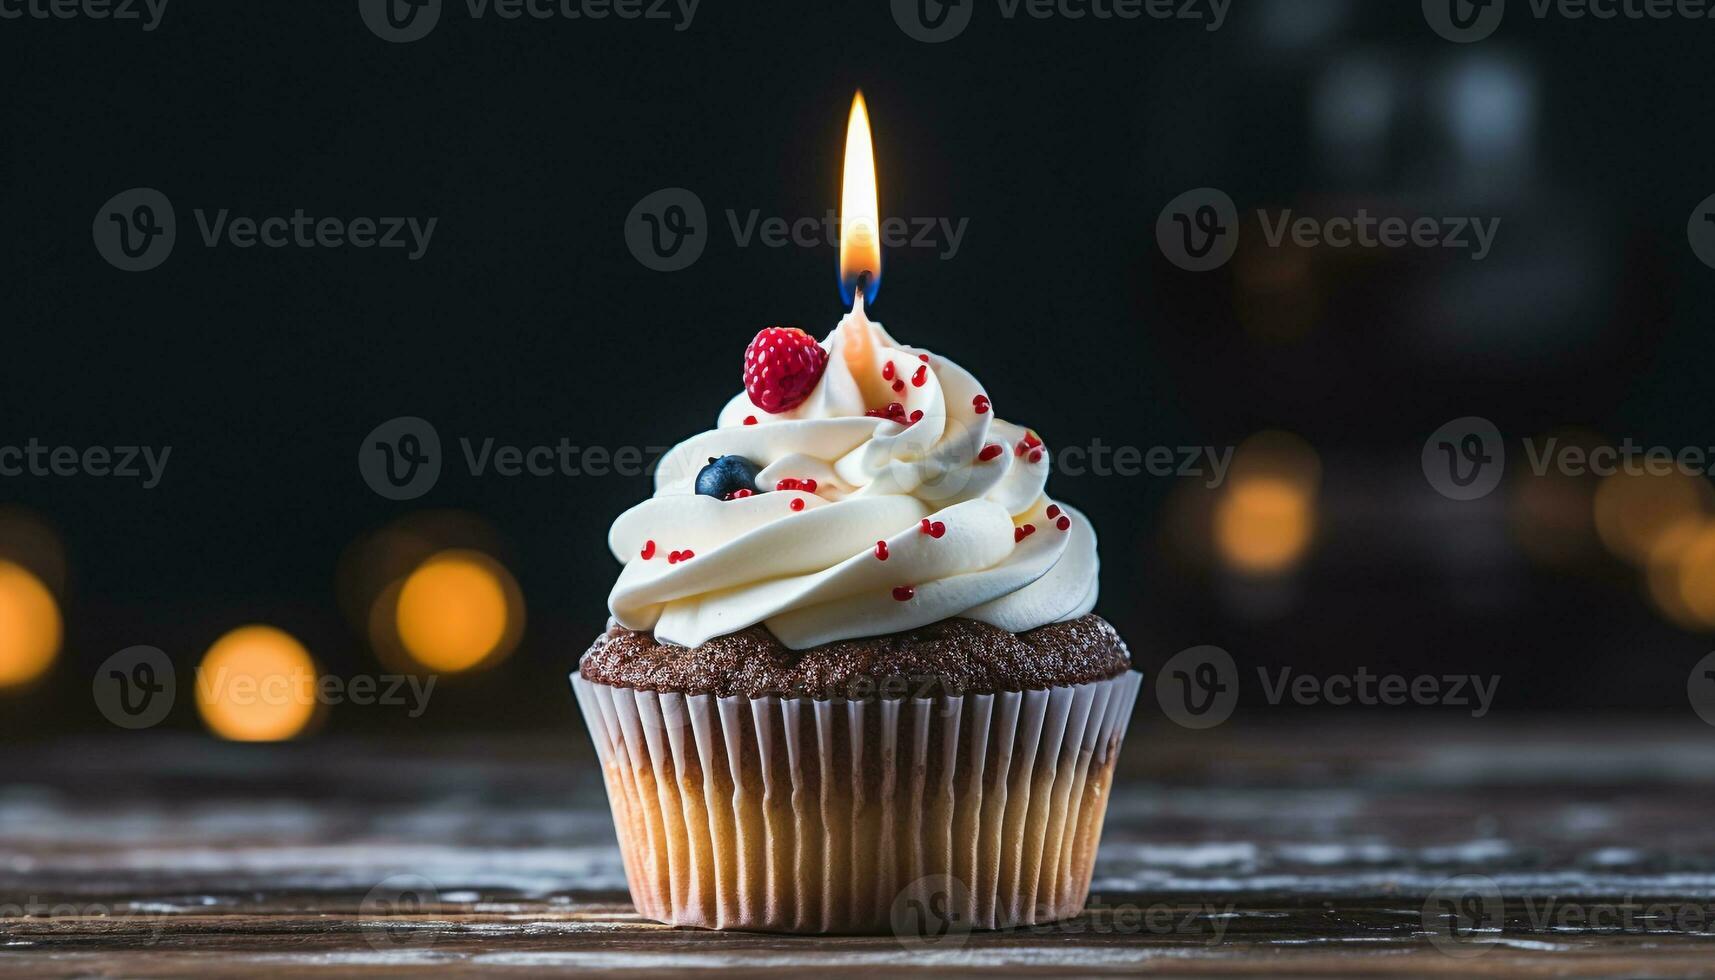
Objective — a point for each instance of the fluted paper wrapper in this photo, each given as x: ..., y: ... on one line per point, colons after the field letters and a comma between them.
x: 798, y: 815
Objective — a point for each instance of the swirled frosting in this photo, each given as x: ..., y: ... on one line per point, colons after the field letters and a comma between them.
x: 807, y: 564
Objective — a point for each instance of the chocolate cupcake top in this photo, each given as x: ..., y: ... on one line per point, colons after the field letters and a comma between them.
x: 859, y: 487
x: 954, y: 656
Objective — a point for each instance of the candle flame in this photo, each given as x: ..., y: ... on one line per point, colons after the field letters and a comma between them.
x: 860, y: 214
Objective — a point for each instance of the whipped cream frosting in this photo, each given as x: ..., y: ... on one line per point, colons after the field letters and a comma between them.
x: 807, y: 565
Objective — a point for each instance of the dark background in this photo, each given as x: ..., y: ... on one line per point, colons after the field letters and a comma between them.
x: 529, y: 320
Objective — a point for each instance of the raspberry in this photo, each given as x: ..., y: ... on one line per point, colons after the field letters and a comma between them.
x: 781, y: 368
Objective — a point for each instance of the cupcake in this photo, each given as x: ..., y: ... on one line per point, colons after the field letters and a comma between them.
x: 852, y: 681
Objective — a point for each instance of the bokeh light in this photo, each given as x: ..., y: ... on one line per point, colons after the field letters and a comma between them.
x: 1263, y: 524
x: 1662, y: 576
x: 1634, y: 509
x: 257, y: 684
x: 30, y: 626
x: 1695, y: 571
x: 457, y: 611
x: 28, y: 540
x: 1265, y: 517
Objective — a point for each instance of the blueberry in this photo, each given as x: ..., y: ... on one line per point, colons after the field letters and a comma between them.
x: 727, y: 474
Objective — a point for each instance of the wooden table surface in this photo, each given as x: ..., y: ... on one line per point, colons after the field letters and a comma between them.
x: 1310, y: 849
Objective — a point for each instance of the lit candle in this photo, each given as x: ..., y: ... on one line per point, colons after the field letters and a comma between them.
x: 860, y: 215
x: 860, y: 248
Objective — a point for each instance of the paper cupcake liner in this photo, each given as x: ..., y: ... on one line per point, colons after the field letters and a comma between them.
x: 799, y: 815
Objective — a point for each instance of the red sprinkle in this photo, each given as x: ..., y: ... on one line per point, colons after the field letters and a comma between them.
x: 648, y: 550
x: 740, y: 494
x: 917, y: 415
x: 1036, y: 455
x: 932, y: 528
x: 1020, y: 533
x: 1053, y: 510
x: 921, y: 375
x: 981, y: 404
x: 898, y: 385
x: 881, y: 550
x: 894, y: 412
x: 791, y: 483
x: 989, y: 452
x: 904, y: 593
x: 679, y: 556
x: 923, y: 357
x: 797, y: 503
x: 1063, y: 523
x: 887, y: 371
x: 750, y: 420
